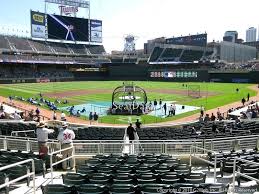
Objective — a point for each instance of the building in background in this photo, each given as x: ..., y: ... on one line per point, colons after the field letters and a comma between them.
x: 230, y: 36
x: 254, y: 44
x: 231, y: 52
x: 251, y: 34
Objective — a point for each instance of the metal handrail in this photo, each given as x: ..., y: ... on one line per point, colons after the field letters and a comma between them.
x: 193, y: 149
x: 180, y: 140
x: 7, y: 183
x: 56, y: 163
x: 241, y: 174
x: 16, y: 132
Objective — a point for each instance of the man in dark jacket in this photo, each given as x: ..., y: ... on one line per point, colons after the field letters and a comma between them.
x: 130, y: 132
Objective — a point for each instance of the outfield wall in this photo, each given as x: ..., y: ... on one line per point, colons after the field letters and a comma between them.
x: 142, y: 73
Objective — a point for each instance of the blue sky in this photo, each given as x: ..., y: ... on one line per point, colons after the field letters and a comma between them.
x: 148, y: 19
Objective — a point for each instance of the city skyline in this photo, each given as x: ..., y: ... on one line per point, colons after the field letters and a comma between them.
x: 146, y: 20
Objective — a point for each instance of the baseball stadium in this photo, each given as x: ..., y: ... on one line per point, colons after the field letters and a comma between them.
x: 177, y: 115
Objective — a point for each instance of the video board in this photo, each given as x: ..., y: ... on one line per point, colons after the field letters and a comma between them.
x: 192, y: 40
x: 67, y: 28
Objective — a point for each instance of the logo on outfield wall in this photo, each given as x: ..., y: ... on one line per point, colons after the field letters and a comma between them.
x: 65, y: 10
x: 174, y: 74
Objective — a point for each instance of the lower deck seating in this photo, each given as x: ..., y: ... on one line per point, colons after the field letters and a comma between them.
x: 8, y: 157
x: 225, y: 161
x: 135, y: 174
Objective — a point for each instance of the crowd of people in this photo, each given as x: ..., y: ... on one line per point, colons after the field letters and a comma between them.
x: 251, y: 66
x: 251, y: 111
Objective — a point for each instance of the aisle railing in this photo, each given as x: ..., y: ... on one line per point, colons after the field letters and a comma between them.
x: 66, y: 159
x: 240, y: 174
x: 173, y: 147
x: 29, y: 174
x: 193, y: 154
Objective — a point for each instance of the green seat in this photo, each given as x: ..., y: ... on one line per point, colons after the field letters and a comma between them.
x: 122, y: 181
x: 56, y: 189
x: 4, y: 160
x: 146, y: 181
x: 122, y: 188
x: 75, y: 179
x: 154, y: 188
x: 17, y: 171
x: 91, y: 189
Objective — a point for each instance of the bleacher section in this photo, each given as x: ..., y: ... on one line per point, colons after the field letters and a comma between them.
x: 191, y: 131
x: 96, y: 49
x: 10, y: 157
x: 23, y: 44
x: 203, y: 131
x: 95, y: 133
x: 191, y: 56
x: 156, y: 54
x: 179, y: 54
x: 6, y: 128
x: 171, y: 54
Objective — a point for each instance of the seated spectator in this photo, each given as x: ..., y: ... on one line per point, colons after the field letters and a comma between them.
x: 193, y: 130
x: 201, y: 119
x: 37, y: 111
x: 2, y: 115
x: 214, y: 127
x: 206, y: 118
x: 1, y: 108
x: 54, y: 115
x: 30, y: 117
x: 212, y: 118
x: 220, y: 117
x: 63, y: 116
x: 17, y: 116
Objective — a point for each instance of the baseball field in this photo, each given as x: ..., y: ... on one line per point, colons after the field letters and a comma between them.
x: 212, y: 95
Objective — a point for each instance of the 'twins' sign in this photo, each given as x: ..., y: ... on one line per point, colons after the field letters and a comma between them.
x: 68, y: 10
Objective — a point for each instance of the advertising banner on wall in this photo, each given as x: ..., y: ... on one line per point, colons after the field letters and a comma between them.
x: 38, y: 29
x: 96, y: 31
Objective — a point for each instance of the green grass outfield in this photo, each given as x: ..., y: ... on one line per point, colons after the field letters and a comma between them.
x: 226, y: 93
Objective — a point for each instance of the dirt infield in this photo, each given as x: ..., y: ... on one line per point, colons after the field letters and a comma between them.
x: 71, y: 93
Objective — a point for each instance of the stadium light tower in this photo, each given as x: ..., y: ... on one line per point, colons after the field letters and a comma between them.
x: 130, y: 44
